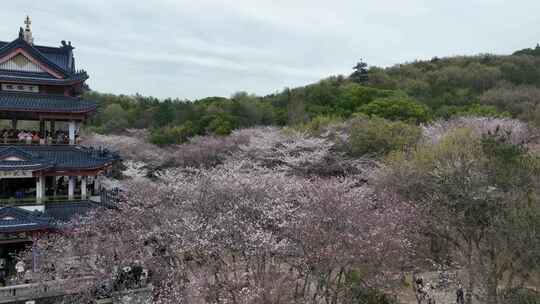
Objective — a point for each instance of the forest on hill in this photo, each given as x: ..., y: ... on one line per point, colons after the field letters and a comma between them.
x: 416, y: 92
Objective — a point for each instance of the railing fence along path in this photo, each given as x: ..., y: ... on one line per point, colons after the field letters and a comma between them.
x: 110, y: 197
x: 57, y: 289
x: 10, y: 202
x: 25, y: 292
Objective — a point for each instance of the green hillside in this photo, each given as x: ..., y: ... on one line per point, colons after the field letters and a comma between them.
x: 416, y: 92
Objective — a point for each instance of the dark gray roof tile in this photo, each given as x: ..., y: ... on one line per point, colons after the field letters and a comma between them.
x: 55, y: 158
x: 14, y: 219
x: 44, y: 103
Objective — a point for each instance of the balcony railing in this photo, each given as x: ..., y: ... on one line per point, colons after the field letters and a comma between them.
x: 106, y: 197
x: 49, y: 142
x: 61, y: 288
x: 7, y: 202
x: 27, y: 292
x: 110, y: 197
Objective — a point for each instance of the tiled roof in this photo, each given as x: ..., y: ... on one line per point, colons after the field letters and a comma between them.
x: 59, y: 59
x: 16, y: 152
x: 44, y: 103
x: 24, y: 165
x: 32, y: 75
x: 27, y: 160
x: 13, y: 219
x: 60, y: 56
x: 61, y: 158
x: 41, y: 78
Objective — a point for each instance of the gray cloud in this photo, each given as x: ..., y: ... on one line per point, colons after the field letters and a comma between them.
x: 193, y: 49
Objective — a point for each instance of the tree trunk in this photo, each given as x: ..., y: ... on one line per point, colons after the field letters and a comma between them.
x: 338, y: 287
x: 306, y: 282
x: 471, y: 274
x: 492, y: 280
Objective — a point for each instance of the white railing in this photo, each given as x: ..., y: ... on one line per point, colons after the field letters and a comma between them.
x: 25, y: 292
x: 51, y: 289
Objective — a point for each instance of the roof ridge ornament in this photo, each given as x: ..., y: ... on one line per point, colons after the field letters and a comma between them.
x: 67, y: 45
x: 27, y: 34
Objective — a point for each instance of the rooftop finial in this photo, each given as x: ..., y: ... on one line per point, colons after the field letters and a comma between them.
x: 28, y: 22
x: 27, y: 36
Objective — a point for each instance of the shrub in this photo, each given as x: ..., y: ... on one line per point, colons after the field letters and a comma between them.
x: 378, y: 136
x: 521, y: 296
x: 470, y: 110
x: 352, y: 96
x: 520, y: 101
x: 161, y: 137
x: 115, y: 118
x: 220, y: 126
x: 319, y: 124
x: 398, y: 108
x: 172, y: 135
x: 359, y: 294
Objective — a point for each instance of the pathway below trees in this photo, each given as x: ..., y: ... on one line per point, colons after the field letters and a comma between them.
x: 441, y: 295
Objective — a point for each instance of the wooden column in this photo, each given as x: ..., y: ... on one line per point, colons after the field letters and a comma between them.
x: 40, y: 188
x: 43, y: 186
x: 83, y: 187
x: 71, y: 187
x: 96, y: 185
x: 52, y: 130
x: 54, y: 185
x: 72, y: 132
x: 34, y: 252
x: 42, y: 135
x: 42, y: 127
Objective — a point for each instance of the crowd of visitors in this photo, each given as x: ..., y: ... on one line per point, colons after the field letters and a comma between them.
x: 33, y: 137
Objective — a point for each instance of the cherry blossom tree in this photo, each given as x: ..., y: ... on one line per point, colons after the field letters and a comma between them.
x: 252, y: 228
x: 473, y: 190
x: 519, y: 132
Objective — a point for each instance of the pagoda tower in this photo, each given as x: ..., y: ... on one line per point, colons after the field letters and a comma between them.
x: 45, y: 176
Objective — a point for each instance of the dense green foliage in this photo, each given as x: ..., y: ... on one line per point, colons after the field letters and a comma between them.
x: 485, y: 85
x: 174, y: 121
x: 378, y: 136
x: 397, y: 109
x: 521, y: 296
x: 530, y: 51
x: 361, y: 295
x: 462, y: 84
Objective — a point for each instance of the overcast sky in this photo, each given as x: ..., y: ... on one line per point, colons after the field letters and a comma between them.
x: 193, y: 49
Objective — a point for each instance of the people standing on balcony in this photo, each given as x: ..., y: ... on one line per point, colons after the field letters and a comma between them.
x: 34, y: 137
x: 3, y: 272
x: 21, y: 136
x: 19, y: 267
x: 60, y: 137
x: 19, y: 195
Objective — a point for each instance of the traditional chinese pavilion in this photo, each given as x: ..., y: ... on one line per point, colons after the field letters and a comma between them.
x: 45, y: 176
